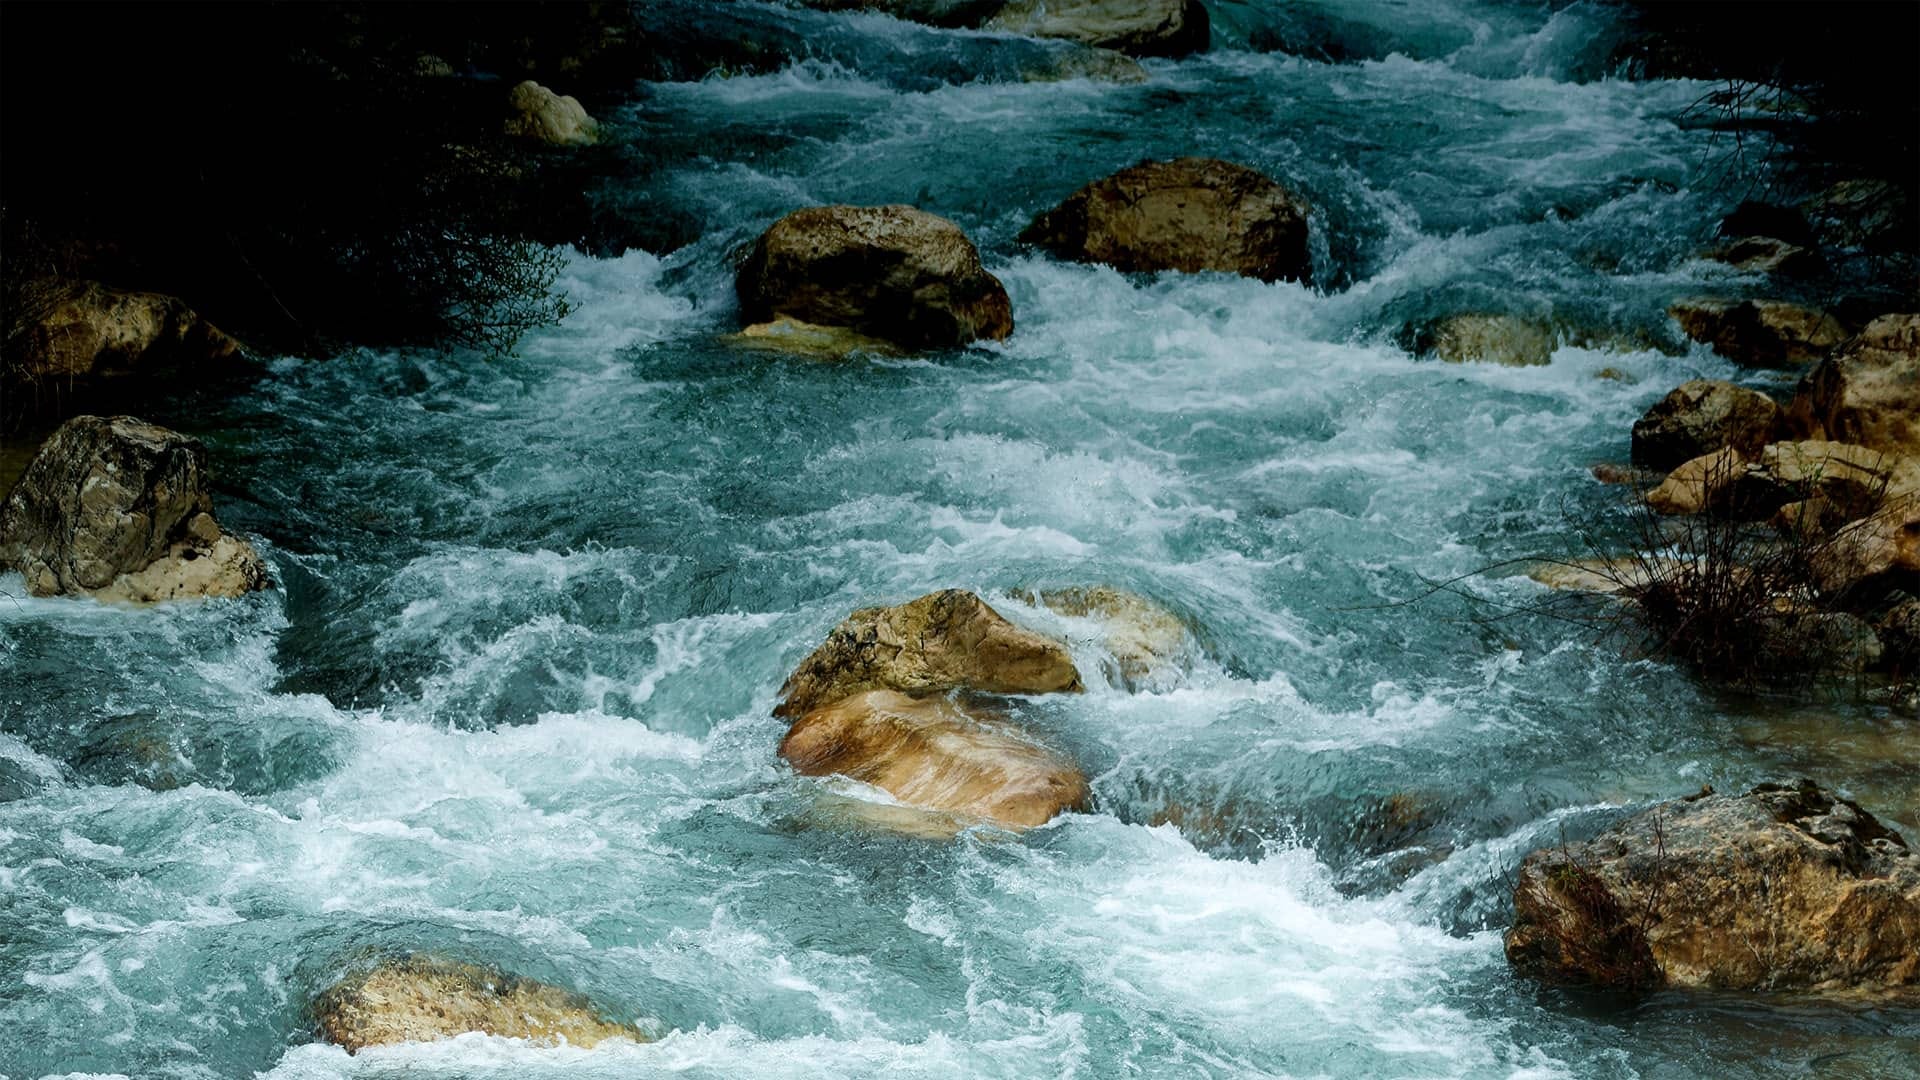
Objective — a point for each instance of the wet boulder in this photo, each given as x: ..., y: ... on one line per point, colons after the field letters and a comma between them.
x: 1759, y: 333
x: 948, y: 640
x: 93, y: 332
x: 1780, y: 888
x: 1868, y: 393
x: 1134, y: 27
x: 888, y: 272
x: 423, y: 998
x: 1149, y: 645
x: 117, y: 508
x: 1475, y: 338
x: 1873, y: 556
x: 1698, y: 483
x: 1191, y: 214
x: 1701, y: 417
x: 535, y: 112
x: 792, y: 337
x: 936, y: 756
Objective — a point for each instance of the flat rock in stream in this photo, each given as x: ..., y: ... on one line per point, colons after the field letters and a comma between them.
x: 117, y: 508
x: 423, y: 998
x: 1780, y: 888
x: 937, y: 756
x: 1134, y: 27
x: 948, y: 640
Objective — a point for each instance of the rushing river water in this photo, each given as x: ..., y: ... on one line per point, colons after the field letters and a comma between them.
x: 510, y: 696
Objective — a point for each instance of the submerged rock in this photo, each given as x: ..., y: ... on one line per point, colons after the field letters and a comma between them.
x: 1509, y: 340
x: 1759, y: 333
x: 539, y: 113
x: 100, y: 332
x: 1191, y: 214
x: 1869, y: 393
x: 949, y: 640
x: 934, y: 755
x: 948, y: 13
x: 1701, y: 417
x: 1148, y: 643
x: 796, y: 338
x: 1091, y: 63
x: 890, y: 272
x: 1765, y: 255
x: 1781, y: 888
x: 117, y: 508
x: 1134, y: 27
x: 424, y: 998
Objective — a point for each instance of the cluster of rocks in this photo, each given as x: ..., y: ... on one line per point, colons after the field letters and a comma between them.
x: 908, y: 699
x: 830, y: 279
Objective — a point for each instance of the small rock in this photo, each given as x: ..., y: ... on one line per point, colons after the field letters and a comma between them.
x: 1765, y: 255
x: 1696, y: 484
x: 1701, y: 417
x: 1603, y: 577
x: 1868, y: 393
x: 1134, y: 27
x: 1608, y: 472
x: 539, y: 113
x: 1759, y: 333
x: 934, y: 755
x: 791, y: 336
x: 1509, y: 340
x: 118, y: 508
x: 889, y: 272
x: 949, y: 640
x: 1189, y: 215
x: 423, y: 998
x: 1780, y: 888
x: 1149, y: 644
x: 1093, y: 64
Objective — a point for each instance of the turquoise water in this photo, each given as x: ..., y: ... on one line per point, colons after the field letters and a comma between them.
x: 510, y: 696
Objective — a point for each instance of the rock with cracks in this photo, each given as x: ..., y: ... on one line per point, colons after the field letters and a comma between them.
x: 117, y: 508
x: 1701, y: 417
x: 1190, y: 215
x: 1868, y: 393
x: 888, y: 272
x: 949, y: 640
x: 1780, y: 888
x: 936, y: 756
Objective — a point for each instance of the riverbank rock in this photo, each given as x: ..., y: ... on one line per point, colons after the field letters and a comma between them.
x: 949, y: 640
x: 1150, y: 646
x: 1508, y: 340
x: 1695, y: 484
x: 934, y: 755
x: 1869, y: 393
x: 538, y: 113
x: 1191, y: 214
x: 1759, y: 333
x: 117, y: 508
x: 1754, y: 218
x: 424, y: 998
x: 1134, y: 27
x: 1870, y: 214
x: 1874, y: 555
x: 1765, y: 255
x: 890, y: 272
x: 1780, y: 888
x: 1701, y: 417
x: 99, y: 332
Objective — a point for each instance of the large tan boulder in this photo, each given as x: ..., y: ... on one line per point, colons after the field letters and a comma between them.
x: 118, y: 508
x: 96, y: 332
x: 889, y: 272
x: 1149, y: 646
x: 535, y: 112
x: 1134, y: 27
x: 1869, y: 393
x: 1696, y: 484
x: 1759, y: 333
x: 1190, y: 214
x: 935, y: 756
x: 1701, y: 417
x: 1780, y: 888
x: 949, y: 640
x: 1867, y: 558
x: 423, y: 998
